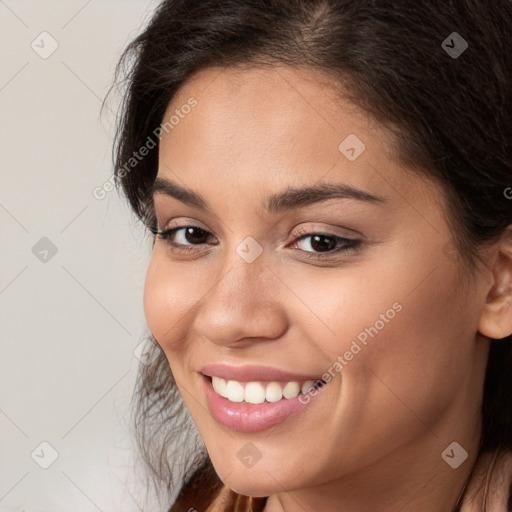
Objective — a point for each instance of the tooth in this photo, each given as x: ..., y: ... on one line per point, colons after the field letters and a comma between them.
x: 308, y: 385
x: 219, y: 385
x: 257, y: 392
x: 235, y: 391
x: 291, y: 390
x: 254, y: 393
x: 273, y: 392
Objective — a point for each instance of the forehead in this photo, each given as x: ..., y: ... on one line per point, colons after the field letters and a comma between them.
x: 284, y: 124
x: 272, y: 110
x: 275, y: 99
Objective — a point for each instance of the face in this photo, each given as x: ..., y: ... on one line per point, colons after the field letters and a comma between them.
x: 350, y: 282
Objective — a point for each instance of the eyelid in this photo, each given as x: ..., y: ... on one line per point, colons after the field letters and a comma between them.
x: 332, y: 231
x: 181, y: 222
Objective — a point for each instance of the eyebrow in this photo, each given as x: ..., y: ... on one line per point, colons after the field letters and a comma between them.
x: 288, y: 200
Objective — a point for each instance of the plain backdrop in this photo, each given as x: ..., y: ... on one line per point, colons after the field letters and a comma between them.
x: 72, y: 266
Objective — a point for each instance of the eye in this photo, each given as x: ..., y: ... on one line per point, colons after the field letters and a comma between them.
x: 325, y: 244
x: 192, y: 234
x: 184, y: 238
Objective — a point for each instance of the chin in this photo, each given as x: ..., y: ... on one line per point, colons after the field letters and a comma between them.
x: 258, y: 484
x: 253, y: 490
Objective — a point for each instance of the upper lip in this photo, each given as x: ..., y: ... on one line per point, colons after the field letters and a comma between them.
x: 250, y: 373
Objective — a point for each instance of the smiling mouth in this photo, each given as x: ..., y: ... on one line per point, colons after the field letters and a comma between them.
x: 258, y: 392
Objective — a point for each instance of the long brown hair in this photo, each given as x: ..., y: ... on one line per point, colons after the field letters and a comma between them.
x: 451, y: 117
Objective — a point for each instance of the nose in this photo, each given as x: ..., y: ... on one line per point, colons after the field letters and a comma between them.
x: 245, y: 303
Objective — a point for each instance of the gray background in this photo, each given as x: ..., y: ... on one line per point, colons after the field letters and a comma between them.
x: 70, y: 321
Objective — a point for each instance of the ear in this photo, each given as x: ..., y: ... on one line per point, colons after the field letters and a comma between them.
x: 496, y: 317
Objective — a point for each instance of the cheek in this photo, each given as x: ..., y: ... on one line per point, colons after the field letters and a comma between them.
x: 154, y: 301
x: 411, y: 369
x: 405, y: 354
x: 168, y: 297
x: 399, y: 335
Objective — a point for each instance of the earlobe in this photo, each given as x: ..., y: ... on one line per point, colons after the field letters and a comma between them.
x: 496, y: 317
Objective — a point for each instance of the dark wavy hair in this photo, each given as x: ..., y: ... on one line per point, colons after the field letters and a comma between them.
x: 450, y: 117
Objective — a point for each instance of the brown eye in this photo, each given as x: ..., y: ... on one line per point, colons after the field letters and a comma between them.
x: 194, y: 235
x: 323, y: 244
x: 184, y: 237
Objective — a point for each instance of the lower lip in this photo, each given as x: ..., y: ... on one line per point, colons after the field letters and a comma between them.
x: 244, y: 417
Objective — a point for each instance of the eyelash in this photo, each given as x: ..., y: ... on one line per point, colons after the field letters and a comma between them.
x: 350, y: 244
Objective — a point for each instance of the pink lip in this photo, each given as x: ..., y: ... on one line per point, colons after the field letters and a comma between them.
x: 244, y: 417
x: 250, y: 373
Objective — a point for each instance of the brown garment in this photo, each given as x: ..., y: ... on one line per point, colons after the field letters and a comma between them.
x: 205, y: 492
x: 229, y: 501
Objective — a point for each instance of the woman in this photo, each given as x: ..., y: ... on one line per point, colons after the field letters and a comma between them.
x: 328, y: 183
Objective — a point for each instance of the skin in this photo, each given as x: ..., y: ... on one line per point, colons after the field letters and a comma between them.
x: 372, y: 439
